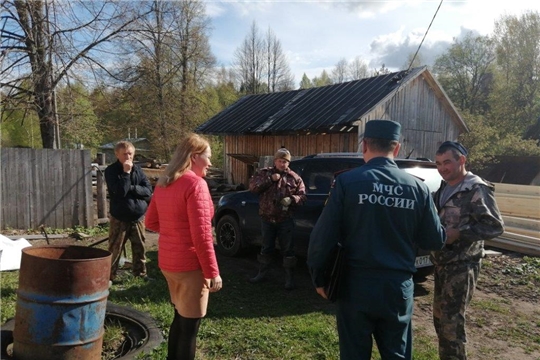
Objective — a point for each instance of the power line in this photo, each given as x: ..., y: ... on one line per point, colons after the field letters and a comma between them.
x: 425, y: 34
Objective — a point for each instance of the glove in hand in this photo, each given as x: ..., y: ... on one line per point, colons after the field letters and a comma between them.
x: 286, y: 201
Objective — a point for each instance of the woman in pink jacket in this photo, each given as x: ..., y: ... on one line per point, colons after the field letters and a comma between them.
x: 181, y: 211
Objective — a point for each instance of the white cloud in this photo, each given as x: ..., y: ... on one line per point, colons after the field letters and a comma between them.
x: 316, y: 35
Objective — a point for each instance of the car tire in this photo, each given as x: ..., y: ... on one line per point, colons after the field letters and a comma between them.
x: 141, y: 332
x: 229, y: 236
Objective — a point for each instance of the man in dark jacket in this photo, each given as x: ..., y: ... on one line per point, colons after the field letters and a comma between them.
x: 380, y: 214
x: 467, y: 208
x: 129, y: 193
x: 280, y: 190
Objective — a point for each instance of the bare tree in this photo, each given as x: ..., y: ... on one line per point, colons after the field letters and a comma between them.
x: 358, y: 69
x: 413, y: 60
x: 42, y: 41
x: 249, y: 62
x: 279, y: 74
x: 339, y: 73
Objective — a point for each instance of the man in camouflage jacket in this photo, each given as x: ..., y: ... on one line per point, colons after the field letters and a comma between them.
x: 280, y: 190
x: 467, y: 208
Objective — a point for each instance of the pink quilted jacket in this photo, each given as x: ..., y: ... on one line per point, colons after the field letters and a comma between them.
x: 182, y: 214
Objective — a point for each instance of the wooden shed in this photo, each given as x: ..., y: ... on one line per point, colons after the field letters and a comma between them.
x: 332, y: 119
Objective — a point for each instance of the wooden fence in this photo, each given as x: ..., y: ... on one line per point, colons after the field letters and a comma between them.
x: 45, y: 187
x: 520, y: 207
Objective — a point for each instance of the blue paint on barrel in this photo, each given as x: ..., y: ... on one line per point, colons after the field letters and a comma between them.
x: 61, y: 303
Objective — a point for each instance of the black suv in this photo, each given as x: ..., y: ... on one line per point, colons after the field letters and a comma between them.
x: 237, y: 221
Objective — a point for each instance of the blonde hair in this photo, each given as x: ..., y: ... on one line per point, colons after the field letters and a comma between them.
x: 181, y: 160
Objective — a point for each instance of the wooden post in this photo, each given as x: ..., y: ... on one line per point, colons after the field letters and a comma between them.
x: 101, y: 189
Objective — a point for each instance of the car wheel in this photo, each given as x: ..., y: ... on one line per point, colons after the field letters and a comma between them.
x: 229, y: 236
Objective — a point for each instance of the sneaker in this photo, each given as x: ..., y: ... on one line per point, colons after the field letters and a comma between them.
x: 147, y: 278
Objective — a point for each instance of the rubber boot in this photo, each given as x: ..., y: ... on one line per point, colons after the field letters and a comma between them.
x: 264, y: 266
x: 289, y: 263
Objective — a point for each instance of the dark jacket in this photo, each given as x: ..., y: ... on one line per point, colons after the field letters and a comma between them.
x: 129, y: 194
x: 380, y: 214
x: 473, y: 210
x: 271, y: 192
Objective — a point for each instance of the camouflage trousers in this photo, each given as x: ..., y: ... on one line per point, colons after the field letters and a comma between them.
x: 119, y: 233
x: 454, y: 288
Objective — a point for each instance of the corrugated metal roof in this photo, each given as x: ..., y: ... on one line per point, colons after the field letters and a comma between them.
x: 327, y: 108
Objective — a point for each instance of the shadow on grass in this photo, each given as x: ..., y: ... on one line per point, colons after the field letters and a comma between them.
x: 238, y: 297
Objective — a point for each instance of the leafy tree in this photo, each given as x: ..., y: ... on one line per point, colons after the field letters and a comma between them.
x: 516, y: 99
x: 305, y: 83
x: 43, y: 41
x: 323, y: 80
x: 479, y: 140
x: 14, y: 132
x: 173, y: 63
x: 78, y: 123
x: 465, y: 71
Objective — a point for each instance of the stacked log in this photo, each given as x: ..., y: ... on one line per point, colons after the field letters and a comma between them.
x: 520, y: 207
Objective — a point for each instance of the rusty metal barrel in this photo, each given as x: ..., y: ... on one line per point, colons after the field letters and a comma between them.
x: 61, y: 303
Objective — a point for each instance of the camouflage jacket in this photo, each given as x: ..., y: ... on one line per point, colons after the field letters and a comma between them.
x: 473, y: 210
x: 271, y: 192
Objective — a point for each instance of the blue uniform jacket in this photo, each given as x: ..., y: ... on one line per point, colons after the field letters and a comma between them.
x: 380, y: 214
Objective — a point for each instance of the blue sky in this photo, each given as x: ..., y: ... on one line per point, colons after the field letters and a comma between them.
x: 315, y: 35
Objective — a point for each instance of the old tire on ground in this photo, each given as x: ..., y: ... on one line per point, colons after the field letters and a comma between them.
x: 141, y: 332
x: 229, y: 236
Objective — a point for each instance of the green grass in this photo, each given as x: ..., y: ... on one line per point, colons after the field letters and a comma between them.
x: 244, y: 321
x: 247, y: 321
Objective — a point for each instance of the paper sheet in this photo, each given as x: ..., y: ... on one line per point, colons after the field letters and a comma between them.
x: 11, y: 252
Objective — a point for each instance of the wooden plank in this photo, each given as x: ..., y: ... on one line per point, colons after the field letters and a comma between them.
x: 511, y: 189
x: 89, y: 209
x: 521, y: 222
x: 520, y: 206
x: 8, y: 195
x: 521, y: 231
x: 522, y: 239
x: 509, y: 244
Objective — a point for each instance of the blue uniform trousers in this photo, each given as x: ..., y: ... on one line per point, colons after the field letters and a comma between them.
x: 376, y: 307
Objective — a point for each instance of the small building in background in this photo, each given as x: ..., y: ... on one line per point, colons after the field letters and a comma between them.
x: 332, y: 119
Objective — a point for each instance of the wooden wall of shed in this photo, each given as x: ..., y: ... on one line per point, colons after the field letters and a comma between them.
x: 238, y: 172
x: 425, y: 118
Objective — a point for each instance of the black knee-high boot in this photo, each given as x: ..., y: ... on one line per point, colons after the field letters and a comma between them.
x: 183, y: 338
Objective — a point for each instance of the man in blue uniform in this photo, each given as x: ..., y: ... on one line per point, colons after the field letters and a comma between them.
x: 380, y: 214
